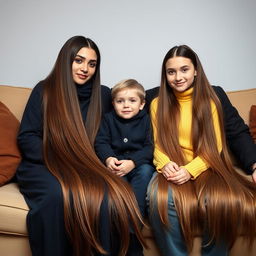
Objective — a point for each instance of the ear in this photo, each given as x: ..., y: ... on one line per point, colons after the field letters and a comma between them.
x: 142, y: 105
x: 195, y: 73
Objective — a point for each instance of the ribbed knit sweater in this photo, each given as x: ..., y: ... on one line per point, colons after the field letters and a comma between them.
x: 197, y: 165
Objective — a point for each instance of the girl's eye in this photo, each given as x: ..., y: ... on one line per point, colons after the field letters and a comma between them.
x: 92, y: 65
x: 170, y: 72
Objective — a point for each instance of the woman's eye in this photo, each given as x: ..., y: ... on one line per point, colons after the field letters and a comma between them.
x: 78, y: 61
x: 184, y: 70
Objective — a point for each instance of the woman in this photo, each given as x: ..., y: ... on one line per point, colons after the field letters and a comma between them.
x: 195, y: 191
x: 76, y: 204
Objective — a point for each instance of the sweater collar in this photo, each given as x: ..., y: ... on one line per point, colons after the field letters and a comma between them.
x: 184, y: 96
x: 84, y: 91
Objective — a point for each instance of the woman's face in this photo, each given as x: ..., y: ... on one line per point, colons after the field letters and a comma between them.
x: 84, y: 65
x: 180, y: 73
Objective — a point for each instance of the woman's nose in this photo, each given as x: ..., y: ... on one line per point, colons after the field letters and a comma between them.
x: 84, y: 68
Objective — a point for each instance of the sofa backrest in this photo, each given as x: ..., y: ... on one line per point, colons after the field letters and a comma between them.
x: 15, y: 98
x: 243, y: 100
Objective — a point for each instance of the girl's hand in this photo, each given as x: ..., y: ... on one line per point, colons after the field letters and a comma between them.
x: 169, y: 169
x: 181, y: 176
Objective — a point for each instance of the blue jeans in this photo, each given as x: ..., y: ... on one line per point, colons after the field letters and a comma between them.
x: 139, y: 178
x: 171, y: 241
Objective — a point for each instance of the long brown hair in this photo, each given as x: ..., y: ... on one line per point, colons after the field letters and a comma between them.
x: 219, y: 201
x: 69, y: 155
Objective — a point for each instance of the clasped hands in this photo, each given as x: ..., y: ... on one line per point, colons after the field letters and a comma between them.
x: 119, y: 167
x: 176, y: 174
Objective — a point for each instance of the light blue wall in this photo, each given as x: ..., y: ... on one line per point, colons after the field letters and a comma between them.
x: 133, y: 37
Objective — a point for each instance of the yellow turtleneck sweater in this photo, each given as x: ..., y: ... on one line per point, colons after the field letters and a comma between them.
x: 195, y: 166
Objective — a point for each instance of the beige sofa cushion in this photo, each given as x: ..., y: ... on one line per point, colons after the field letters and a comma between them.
x: 13, y: 209
x: 15, y: 98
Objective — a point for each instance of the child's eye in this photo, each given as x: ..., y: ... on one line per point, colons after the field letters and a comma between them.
x: 133, y: 100
x: 119, y: 101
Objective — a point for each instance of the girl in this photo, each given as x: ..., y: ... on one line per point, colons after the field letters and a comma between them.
x: 75, y: 203
x: 196, y: 190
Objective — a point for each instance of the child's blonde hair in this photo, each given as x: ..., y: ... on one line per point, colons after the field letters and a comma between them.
x: 129, y: 84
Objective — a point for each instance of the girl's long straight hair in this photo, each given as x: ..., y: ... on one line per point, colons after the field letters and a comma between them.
x: 69, y: 155
x: 220, y: 201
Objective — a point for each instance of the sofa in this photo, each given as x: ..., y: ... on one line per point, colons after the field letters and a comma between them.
x: 13, y: 208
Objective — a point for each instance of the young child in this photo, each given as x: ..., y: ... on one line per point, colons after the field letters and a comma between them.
x: 124, y: 142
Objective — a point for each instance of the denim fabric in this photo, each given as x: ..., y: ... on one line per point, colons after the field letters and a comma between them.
x: 171, y: 241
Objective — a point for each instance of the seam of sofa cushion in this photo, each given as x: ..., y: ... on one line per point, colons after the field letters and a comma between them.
x: 12, y: 233
x: 14, y: 207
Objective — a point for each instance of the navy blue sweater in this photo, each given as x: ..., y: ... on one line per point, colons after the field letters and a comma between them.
x: 125, y: 138
x: 30, y: 138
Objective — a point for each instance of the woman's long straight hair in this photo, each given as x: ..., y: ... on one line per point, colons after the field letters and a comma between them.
x: 69, y: 155
x: 219, y: 201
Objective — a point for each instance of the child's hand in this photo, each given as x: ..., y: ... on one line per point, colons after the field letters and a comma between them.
x: 125, y: 167
x: 112, y: 163
x: 169, y: 169
x: 180, y: 177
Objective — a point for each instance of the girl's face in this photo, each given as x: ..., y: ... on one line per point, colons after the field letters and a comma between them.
x: 180, y: 73
x: 84, y: 65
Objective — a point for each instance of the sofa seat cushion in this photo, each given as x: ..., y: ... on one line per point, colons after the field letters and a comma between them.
x: 13, y: 210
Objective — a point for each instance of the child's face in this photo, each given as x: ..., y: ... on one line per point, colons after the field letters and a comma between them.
x: 127, y: 103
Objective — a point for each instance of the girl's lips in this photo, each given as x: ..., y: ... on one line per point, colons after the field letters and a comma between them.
x: 180, y: 84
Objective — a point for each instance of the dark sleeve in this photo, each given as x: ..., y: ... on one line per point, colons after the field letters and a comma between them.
x: 102, y: 143
x: 150, y: 95
x: 145, y: 154
x: 106, y: 99
x: 238, y: 136
x: 30, y: 137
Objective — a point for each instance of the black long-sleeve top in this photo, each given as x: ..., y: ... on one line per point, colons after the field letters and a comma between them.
x: 125, y: 138
x: 237, y: 132
x: 30, y: 138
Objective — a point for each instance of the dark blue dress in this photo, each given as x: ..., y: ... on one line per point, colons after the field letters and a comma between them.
x: 42, y: 191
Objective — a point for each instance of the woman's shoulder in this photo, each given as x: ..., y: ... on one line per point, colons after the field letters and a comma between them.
x: 37, y: 91
x: 105, y: 90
